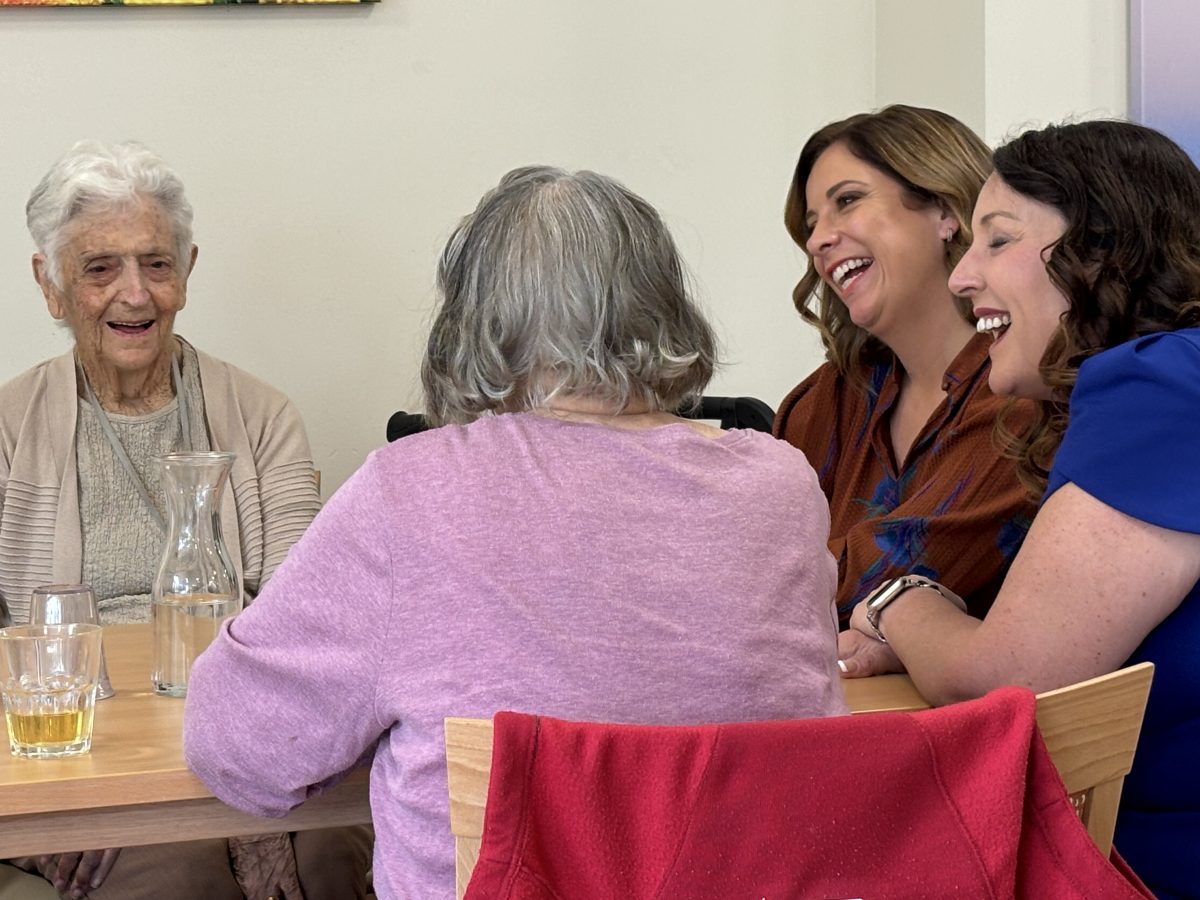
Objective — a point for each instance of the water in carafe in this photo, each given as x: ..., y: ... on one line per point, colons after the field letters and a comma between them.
x: 197, y: 587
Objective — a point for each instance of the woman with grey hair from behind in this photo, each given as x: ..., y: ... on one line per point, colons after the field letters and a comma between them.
x: 528, y: 324
x: 81, y: 501
x: 562, y: 543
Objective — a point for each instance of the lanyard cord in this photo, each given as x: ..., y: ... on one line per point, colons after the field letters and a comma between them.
x: 119, y: 450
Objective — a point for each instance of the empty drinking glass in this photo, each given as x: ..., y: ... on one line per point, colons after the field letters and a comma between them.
x: 65, y: 604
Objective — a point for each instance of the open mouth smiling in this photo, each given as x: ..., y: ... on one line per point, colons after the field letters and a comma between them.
x: 993, y: 325
x: 131, y: 327
x: 847, y: 270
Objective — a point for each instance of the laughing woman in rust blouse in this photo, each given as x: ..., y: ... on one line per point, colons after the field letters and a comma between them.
x: 899, y: 422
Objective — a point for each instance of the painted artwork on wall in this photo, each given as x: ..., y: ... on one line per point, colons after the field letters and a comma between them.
x: 40, y: 3
x: 1164, y: 69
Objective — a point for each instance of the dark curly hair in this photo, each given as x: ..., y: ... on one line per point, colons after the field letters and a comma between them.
x: 935, y: 158
x: 1128, y: 262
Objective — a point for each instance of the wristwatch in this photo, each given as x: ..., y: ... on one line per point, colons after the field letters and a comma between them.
x: 890, y: 590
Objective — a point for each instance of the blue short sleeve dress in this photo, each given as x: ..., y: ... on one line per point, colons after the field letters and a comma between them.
x: 1133, y: 442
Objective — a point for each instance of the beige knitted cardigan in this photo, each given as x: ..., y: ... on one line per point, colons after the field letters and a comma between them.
x: 274, y: 494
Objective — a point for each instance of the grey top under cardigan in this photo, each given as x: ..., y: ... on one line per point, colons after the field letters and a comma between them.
x: 274, y: 494
x: 122, y: 536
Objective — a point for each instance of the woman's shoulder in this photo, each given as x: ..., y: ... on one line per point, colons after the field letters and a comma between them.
x: 218, y: 376
x: 816, y: 395
x: 782, y: 464
x: 1147, y: 386
x: 1167, y: 362
x: 19, y: 388
x: 54, y: 367
x: 492, y: 442
x: 1133, y: 428
x: 38, y: 381
x: 1151, y: 379
x: 825, y: 378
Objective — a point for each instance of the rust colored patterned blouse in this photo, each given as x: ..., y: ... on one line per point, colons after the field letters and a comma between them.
x: 956, y: 513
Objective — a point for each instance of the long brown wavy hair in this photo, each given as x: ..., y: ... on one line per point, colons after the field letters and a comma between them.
x: 936, y: 159
x: 1128, y: 262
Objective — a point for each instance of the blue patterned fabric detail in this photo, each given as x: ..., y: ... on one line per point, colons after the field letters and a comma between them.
x: 903, y: 543
x: 879, y: 377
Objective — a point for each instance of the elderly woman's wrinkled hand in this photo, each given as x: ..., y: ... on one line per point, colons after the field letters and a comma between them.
x: 265, y: 867
x: 75, y: 874
x: 860, y: 656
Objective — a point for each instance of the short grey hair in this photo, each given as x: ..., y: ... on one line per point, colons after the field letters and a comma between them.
x: 562, y: 283
x: 94, y: 176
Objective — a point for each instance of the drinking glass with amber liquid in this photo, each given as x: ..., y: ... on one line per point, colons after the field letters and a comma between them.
x: 48, y: 680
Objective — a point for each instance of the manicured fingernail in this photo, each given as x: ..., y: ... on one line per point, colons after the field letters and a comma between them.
x: 842, y: 666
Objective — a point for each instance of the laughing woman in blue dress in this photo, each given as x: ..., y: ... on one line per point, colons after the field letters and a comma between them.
x: 1086, y: 266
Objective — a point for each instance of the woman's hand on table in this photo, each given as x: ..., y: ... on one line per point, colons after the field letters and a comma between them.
x: 860, y: 656
x: 75, y: 874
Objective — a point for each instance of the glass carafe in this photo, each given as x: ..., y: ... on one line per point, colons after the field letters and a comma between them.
x: 197, y: 586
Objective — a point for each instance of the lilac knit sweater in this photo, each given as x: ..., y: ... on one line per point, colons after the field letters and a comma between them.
x: 517, y: 563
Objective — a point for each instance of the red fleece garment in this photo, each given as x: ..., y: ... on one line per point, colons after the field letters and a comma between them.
x: 961, y: 801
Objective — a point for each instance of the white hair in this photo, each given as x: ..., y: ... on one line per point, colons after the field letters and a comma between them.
x: 563, y: 283
x: 96, y: 176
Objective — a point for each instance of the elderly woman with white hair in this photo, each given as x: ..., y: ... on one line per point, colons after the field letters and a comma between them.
x: 113, y: 231
x: 80, y: 499
x: 564, y: 543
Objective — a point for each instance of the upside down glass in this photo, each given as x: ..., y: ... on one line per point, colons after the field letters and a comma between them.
x: 197, y: 587
x: 66, y: 604
x: 48, y: 678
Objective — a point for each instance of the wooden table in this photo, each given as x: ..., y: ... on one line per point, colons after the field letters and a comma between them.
x: 882, y: 693
x: 134, y: 788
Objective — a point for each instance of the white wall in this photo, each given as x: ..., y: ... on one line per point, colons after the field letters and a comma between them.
x: 1046, y: 61
x: 1004, y: 65
x: 912, y: 67
x: 328, y: 152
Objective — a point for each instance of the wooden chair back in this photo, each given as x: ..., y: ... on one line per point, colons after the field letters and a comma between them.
x: 1091, y: 730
